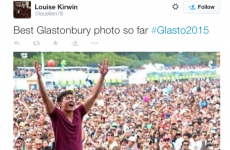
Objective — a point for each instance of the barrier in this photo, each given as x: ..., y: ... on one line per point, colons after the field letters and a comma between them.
x: 83, y: 82
x: 171, y: 76
x: 181, y: 77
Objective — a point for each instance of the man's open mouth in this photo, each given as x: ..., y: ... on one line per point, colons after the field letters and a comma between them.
x: 71, y: 105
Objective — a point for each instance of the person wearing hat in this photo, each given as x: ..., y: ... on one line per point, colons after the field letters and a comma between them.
x: 127, y: 124
x: 68, y: 117
x: 113, y: 129
x: 131, y: 143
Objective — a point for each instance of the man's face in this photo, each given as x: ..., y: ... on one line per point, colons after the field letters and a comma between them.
x: 197, y: 138
x: 28, y: 143
x: 45, y: 143
x: 131, y: 143
x: 185, y: 146
x: 18, y: 146
x: 139, y: 134
x: 110, y: 137
x: 167, y: 130
x: 185, y: 138
x: 188, y: 119
x: 128, y: 134
x: 215, y: 144
x: 38, y: 144
x: 123, y: 147
x: 39, y: 134
x: 22, y: 134
x: 88, y: 144
x: 147, y: 136
x: 19, y: 141
x: 68, y: 103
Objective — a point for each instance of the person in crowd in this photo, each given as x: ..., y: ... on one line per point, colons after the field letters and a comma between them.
x: 67, y: 120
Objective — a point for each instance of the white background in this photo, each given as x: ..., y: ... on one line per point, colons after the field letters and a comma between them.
x: 120, y: 14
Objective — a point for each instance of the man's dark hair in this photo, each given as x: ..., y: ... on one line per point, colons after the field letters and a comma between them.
x: 187, y: 134
x: 195, y: 135
x: 62, y: 94
x: 185, y: 141
x: 110, y: 133
x: 124, y: 141
x: 48, y: 148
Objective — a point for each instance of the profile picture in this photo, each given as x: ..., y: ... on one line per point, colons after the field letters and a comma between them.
x: 22, y: 9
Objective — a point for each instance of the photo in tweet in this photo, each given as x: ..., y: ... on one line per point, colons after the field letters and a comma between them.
x: 116, y: 100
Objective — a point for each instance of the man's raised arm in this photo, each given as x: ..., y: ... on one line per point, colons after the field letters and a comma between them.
x: 47, y: 102
x: 91, y: 99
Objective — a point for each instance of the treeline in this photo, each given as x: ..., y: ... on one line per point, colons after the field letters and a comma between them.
x: 131, y: 59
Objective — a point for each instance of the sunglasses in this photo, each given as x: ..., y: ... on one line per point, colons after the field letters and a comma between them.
x: 166, y: 140
x: 203, y: 134
x: 88, y: 143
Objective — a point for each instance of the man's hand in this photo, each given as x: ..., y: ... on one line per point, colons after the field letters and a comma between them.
x: 90, y: 100
x: 104, y: 68
x: 38, y: 69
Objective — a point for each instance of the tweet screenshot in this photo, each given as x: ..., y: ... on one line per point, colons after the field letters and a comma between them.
x: 115, y: 75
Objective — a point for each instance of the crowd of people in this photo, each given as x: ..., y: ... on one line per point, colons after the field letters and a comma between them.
x: 180, y: 115
x: 23, y: 73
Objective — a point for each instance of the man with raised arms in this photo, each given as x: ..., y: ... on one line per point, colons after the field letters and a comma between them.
x: 67, y: 121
